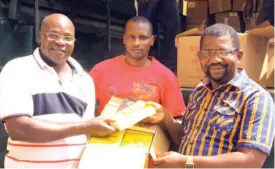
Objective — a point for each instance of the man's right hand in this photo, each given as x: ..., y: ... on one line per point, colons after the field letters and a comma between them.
x: 98, y: 127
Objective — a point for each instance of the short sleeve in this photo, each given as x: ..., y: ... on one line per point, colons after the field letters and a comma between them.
x: 15, y: 96
x: 172, y: 99
x: 257, y: 125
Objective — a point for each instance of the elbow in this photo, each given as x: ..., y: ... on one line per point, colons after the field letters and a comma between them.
x: 17, y: 128
x: 253, y: 158
x: 15, y: 135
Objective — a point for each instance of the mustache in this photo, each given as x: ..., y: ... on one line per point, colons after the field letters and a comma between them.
x: 216, y: 64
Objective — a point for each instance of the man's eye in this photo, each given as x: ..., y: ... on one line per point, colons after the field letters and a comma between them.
x: 131, y: 37
x: 68, y: 38
x: 53, y: 35
x: 224, y: 53
x: 205, y: 53
x: 143, y: 37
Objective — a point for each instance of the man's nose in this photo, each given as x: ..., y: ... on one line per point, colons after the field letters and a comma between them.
x: 136, y: 42
x: 215, y: 58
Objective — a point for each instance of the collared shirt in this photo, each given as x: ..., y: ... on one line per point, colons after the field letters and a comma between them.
x: 238, y: 114
x: 29, y: 87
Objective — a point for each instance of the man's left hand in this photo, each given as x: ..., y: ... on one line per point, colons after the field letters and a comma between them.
x: 170, y: 160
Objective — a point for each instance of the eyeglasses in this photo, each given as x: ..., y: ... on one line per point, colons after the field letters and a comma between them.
x: 205, y: 54
x: 56, y: 37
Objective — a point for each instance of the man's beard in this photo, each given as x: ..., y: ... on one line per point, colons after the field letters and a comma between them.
x: 221, y: 80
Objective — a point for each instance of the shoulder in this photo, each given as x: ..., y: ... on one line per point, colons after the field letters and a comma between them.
x: 106, y: 64
x: 20, y: 65
x: 254, y: 90
x: 163, y: 71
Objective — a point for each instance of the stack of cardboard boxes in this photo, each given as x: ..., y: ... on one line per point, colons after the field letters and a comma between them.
x: 197, y: 13
x: 229, y: 12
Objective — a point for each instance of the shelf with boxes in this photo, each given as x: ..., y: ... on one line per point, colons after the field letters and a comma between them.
x: 208, y: 12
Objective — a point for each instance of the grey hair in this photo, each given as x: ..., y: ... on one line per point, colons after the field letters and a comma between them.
x: 218, y: 30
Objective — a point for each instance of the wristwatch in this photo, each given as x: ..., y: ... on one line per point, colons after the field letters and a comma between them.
x: 189, y: 162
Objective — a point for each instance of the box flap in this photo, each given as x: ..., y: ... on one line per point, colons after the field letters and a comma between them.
x: 192, y: 32
x: 264, y: 30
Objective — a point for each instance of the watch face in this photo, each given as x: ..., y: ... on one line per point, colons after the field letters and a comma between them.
x: 189, y: 166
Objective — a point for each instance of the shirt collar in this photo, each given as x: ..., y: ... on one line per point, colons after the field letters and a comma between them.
x: 240, y: 80
x: 73, y: 63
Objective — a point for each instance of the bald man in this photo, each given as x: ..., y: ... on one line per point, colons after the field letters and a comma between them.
x: 47, y: 102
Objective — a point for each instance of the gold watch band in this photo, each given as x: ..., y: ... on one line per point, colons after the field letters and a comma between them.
x: 189, y: 162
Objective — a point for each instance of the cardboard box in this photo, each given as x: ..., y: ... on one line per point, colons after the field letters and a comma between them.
x: 189, y: 27
x: 270, y: 68
x: 216, y: 6
x: 189, y: 70
x: 129, y: 148
x: 195, y: 7
x: 254, y: 46
x: 229, y: 18
x: 238, y: 5
x: 254, y: 60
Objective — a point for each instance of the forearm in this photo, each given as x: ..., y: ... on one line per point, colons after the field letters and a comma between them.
x: 174, y: 128
x: 32, y: 130
x: 229, y: 160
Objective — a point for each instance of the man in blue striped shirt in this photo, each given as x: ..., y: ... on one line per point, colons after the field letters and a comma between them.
x: 229, y: 120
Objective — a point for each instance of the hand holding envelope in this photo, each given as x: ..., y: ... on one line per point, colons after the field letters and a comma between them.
x: 131, y: 113
x: 158, y: 116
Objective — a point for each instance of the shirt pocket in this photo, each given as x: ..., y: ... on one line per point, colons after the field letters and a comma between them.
x: 223, y: 118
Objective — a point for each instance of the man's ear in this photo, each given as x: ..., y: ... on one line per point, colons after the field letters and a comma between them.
x: 39, y: 37
x: 239, y: 55
x: 152, y: 40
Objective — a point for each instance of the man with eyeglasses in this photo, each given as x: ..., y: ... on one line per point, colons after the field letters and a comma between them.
x: 229, y: 122
x: 136, y: 75
x: 47, y: 102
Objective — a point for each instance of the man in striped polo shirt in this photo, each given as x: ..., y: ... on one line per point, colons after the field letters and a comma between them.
x: 47, y: 102
x: 229, y: 122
